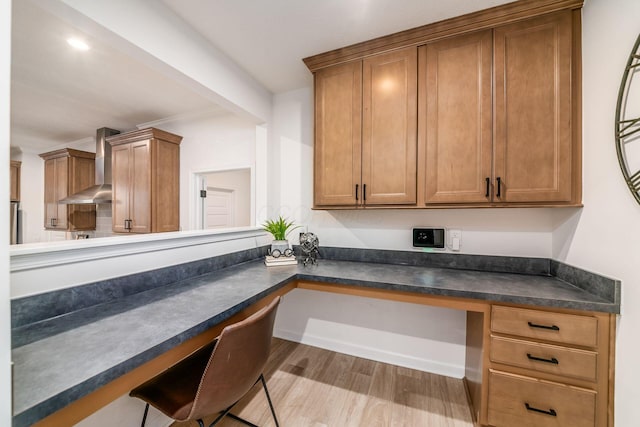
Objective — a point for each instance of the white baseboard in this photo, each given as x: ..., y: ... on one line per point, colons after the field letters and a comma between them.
x: 371, y: 353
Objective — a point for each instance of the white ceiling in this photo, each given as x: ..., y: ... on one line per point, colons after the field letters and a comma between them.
x: 60, y: 95
x: 269, y: 38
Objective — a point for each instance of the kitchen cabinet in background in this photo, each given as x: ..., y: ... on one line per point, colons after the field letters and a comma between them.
x: 66, y: 172
x: 15, y: 180
x: 366, y: 124
x: 146, y: 181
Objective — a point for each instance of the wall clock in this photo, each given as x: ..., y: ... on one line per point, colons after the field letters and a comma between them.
x: 627, y: 124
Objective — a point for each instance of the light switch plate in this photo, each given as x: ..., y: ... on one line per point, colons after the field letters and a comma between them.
x: 455, y: 239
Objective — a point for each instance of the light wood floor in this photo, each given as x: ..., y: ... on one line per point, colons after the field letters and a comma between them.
x: 316, y: 388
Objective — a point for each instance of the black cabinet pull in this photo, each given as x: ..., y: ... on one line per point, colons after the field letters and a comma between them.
x: 356, y: 192
x: 488, y: 182
x: 499, y: 181
x: 541, y: 359
x: 364, y: 192
x: 551, y: 412
x: 552, y: 327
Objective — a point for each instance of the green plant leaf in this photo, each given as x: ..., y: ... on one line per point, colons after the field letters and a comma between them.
x: 279, y: 228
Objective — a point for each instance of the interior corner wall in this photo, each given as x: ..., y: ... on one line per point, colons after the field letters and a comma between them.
x: 210, y: 143
x: 512, y: 232
x: 604, y: 236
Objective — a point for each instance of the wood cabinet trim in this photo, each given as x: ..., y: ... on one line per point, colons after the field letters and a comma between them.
x: 67, y: 152
x: 142, y: 134
x: 483, y: 19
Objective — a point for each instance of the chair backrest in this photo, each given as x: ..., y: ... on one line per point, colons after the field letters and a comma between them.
x: 237, y: 361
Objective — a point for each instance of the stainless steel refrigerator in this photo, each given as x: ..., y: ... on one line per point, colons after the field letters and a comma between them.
x: 15, y: 232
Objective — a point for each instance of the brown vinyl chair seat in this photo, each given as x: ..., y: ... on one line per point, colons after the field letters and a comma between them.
x: 214, y: 378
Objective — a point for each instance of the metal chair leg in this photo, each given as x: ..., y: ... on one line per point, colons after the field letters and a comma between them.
x: 242, y: 420
x: 144, y: 417
x: 273, y: 411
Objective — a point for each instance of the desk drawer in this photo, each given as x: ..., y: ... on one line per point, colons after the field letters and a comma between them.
x: 545, y: 325
x: 553, y: 359
x: 526, y: 402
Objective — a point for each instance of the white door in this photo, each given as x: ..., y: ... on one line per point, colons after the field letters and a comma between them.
x: 219, y: 211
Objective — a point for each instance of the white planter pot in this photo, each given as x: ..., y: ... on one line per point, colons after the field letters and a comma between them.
x: 280, y: 245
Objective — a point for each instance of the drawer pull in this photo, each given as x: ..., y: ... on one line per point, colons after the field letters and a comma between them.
x: 552, y: 327
x: 540, y: 359
x: 551, y: 412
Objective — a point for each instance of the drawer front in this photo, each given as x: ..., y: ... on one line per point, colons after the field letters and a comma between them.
x: 526, y: 402
x: 553, y: 359
x: 545, y: 325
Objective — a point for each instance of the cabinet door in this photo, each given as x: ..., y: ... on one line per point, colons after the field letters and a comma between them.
x: 140, y: 185
x: 533, y: 138
x: 455, y: 79
x: 50, y: 199
x: 338, y: 118
x: 389, y: 136
x: 55, y: 183
x: 165, y: 193
x: 81, y: 176
x: 120, y: 176
x: 62, y: 191
x: 15, y: 181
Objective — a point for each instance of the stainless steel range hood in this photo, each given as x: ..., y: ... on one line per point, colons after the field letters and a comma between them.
x: 101, y: 191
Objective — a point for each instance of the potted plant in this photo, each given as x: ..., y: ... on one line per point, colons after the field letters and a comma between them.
x: 279, y: 229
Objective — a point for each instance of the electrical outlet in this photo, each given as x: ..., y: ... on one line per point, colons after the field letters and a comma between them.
x: 455, y: 239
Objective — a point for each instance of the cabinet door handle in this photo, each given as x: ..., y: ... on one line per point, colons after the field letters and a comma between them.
x: 364, y: 192
x: 53, y: 222
x: 127, y: 224
x: 488, y: 183
x: 551, y: 412
x: 552, y: 327
x: 356, y: 192
x: 541, y: 359
x: 499, y: 181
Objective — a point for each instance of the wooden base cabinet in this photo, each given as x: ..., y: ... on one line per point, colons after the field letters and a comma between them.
x: 550, y: 368
x: 146, y: 181
x: 66, y: 172
x: 365, y: 124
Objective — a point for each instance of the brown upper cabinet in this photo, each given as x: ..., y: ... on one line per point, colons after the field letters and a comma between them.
x: 366, y: 124
x: 15, y: 180
x: 66, y: 172
x: 455, y: 113
x: 534, y: 147
x: 146, y: 181
x: 498, y: 113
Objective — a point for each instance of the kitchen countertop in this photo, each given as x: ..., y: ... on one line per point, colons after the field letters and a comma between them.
x: 113, y: 338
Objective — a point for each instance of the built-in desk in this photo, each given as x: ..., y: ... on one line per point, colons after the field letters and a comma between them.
x: 67, y: 367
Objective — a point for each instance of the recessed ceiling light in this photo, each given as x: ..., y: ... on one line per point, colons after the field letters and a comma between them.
x: 78, y: 44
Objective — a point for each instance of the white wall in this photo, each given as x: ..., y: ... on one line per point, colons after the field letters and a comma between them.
x: 604, y: 236
x: 210, y: 143
x: 512, y: 232
x: 5, y: 322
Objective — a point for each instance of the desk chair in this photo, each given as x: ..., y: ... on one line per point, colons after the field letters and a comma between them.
x: 213, y: 379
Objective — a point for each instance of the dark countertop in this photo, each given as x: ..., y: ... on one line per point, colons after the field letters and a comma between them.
x: 113, y: 338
